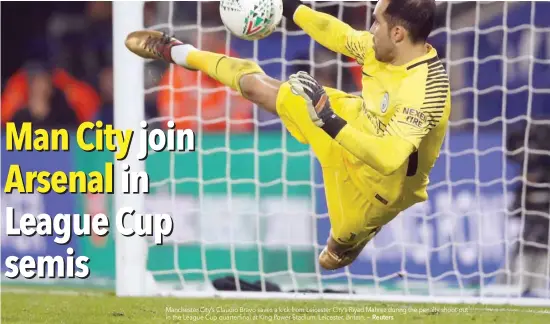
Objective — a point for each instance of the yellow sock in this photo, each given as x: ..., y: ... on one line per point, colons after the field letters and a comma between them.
x: 225, y: 69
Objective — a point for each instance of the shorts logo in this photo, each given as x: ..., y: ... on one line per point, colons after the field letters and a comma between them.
x: 384, y: 104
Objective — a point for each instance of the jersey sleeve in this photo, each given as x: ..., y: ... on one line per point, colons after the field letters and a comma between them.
x: 358, y: 45
x: 384, y: 154
x: 334, y: 34
x: 413, y: 122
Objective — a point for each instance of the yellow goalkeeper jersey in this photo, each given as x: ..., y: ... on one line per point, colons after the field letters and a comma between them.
x: 401, y: 103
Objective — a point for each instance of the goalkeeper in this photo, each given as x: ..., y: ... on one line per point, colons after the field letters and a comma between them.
x: 376, y: 151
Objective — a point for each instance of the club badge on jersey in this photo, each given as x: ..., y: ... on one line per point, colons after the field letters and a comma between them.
x: 385, y: 102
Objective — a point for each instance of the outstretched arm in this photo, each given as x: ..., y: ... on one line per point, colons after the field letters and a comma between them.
x: 328, y: 31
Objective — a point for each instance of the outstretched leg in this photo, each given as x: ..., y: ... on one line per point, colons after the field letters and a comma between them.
x: 243, y: 76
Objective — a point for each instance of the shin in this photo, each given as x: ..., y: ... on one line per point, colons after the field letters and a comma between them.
x: 243, y: 76
x: 261, y: 90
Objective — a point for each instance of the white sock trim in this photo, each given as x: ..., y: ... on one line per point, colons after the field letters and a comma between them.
x: 179, y: 53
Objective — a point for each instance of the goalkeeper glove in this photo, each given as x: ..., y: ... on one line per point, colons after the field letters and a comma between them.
x: 289, y: 7
x: 317, y: 102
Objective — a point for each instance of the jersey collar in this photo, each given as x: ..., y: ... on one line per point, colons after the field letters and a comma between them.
x: 430, y: 56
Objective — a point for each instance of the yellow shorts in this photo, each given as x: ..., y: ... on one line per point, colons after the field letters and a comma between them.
x: 354, y: 216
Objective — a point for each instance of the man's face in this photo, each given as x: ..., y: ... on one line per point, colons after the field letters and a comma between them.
x: 384, y: 47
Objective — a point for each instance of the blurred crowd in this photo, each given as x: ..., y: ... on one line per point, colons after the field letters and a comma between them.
x: 66, y: 75
x: 72, y: 80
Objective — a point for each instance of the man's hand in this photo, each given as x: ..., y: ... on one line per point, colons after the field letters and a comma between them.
x: 318, y: 105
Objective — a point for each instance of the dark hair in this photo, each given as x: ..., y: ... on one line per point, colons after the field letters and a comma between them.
x: 417, y: 16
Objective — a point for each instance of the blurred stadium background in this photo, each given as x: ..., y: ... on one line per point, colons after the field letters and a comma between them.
x: 486, y: 224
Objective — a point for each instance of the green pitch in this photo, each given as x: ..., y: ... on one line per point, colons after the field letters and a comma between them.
x: 40, y: 306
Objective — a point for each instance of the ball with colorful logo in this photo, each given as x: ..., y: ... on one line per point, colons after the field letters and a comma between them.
x: 251, y: 19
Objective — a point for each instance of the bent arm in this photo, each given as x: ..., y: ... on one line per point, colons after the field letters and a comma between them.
x: 401, y: 138
x: 385, y: 154
x: 332, y: 33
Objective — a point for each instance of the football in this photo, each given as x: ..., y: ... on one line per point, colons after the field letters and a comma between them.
x: 251, y: 19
